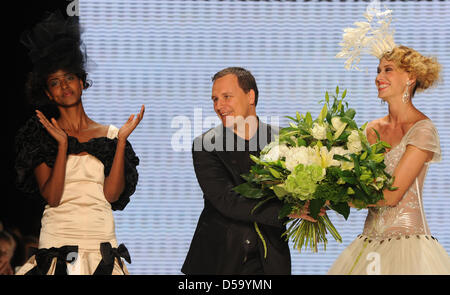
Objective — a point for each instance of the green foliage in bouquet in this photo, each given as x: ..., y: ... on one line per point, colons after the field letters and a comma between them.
x: 323, y: 162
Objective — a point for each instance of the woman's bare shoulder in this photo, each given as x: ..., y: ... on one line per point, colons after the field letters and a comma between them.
x: 378, y: 125
x: 98, y: 129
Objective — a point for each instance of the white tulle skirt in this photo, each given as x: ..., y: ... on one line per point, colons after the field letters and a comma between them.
x: 403, y: 255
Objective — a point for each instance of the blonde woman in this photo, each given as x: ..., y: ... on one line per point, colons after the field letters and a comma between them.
x: 396, y: 238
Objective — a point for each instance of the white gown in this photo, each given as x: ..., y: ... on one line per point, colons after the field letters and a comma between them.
x: 397, y: 240
x: 83, y: 218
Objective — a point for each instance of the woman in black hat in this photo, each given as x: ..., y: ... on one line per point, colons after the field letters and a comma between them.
x: 82, y: 169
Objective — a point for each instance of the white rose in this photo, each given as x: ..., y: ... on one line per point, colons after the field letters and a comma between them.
x: 271, y: 145
x: 337, y: 151
x: 337, y: 123
x: 275, y: 153
x: 319, y: 131
x: 296, y: 156
x: 271, y: 156
x: 283, y: 150
x: 354, y: 142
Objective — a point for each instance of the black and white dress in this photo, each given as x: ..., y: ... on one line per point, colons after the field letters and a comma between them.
x: 77, y: 236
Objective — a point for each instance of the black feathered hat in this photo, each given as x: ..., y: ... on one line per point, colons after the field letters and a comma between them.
x: 54, y: 44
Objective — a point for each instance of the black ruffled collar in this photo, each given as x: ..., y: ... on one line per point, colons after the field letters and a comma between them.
x: 35, y: 145
x: 76, y: 147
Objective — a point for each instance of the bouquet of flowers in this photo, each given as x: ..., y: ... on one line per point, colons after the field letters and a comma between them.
x: 323, y: 162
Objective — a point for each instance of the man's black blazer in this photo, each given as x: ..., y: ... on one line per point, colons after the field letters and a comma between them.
x: 225, y: 231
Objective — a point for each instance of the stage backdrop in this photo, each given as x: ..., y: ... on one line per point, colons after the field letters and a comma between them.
x: 163, y: 54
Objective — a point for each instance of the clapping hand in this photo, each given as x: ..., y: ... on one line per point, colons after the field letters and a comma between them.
x: 53, y: 128
x: 130, y: 125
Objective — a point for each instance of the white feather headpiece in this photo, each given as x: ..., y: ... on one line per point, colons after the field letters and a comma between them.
x: 374, y: 37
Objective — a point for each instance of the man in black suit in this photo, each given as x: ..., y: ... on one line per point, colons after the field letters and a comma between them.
x: 225, y: 240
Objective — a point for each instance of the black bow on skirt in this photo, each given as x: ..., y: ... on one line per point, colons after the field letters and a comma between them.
x: 44, y: 258
x: 109, y: 254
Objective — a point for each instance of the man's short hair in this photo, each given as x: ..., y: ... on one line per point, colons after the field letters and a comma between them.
x: 245, y: 79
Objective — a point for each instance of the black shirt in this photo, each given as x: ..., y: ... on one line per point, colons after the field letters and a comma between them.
x: 240, y: 149
x: 240, y: 158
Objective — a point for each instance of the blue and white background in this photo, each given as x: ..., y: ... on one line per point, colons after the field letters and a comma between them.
x: 163, y: 54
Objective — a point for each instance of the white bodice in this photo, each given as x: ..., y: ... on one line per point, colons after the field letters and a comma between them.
x: 407, y: 217
x: 84, y: 216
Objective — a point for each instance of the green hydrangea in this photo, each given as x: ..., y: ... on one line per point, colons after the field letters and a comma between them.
x: 302, y: 182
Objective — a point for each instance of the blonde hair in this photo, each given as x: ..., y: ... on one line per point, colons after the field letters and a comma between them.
x: 426, y: 70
